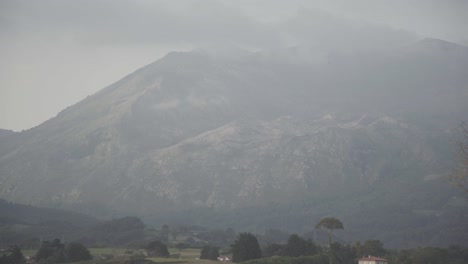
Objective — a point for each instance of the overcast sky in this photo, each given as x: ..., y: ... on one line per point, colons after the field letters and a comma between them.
x: 55, y: 53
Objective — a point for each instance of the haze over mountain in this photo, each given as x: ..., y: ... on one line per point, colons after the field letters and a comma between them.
x: 213, y: 138
x: 55, y: 53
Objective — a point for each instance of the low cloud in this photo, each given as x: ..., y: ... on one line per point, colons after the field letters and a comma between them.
x: 55, y: 52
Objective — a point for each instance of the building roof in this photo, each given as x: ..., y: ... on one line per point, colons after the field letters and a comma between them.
x: 372, y: 258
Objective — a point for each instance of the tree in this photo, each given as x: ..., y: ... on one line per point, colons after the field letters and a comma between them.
x: 370, y: 247
x: 273, y: 250
x: 209, y: 252
x: 429, y: 255
x: 459, y: 177
x: 51, y: 252
x: 157, y: 249
x: 75, y: 252
x: 330, y: 224
x: 297, y: 246
x: 245, y: 247
x: 343, y: 253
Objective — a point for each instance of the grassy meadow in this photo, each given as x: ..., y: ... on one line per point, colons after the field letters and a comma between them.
x: 187, y: 256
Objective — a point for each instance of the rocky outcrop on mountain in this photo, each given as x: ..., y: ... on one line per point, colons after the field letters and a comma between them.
x: 253, y: 161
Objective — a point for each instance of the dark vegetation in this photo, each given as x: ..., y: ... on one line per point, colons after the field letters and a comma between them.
x: 121, y: 231
x: 330, y: 224
x: 298, y: 251
x: 415, y: 221
x: 348, y: 254
x: 246, y: 249
x: 209, y: 252
x: 49, y: 253
x: 57, y: 252
x: 157, y: 249
x: 12, y: 255
x: 295, y: 247
x: 27, y: 226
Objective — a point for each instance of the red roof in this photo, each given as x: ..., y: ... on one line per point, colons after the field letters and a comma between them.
x: 372, y: 258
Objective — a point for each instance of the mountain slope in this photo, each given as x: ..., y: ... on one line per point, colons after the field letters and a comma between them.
x: 196, y: 132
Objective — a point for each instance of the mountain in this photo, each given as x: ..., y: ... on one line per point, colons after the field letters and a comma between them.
x: 210, y: 139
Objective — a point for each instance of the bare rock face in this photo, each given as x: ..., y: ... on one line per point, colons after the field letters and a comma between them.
x: 194, y: 130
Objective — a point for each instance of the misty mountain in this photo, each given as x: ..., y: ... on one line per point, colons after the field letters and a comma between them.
x: 212, y: 139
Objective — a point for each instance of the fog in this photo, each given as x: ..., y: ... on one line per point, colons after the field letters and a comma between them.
x: 55, y: 53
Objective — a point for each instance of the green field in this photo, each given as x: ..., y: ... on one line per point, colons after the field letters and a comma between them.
x: 125, y: 260
x: 109, y: 251
x: 182, y: 261
x: 29, y: 252
x: 188, y: 255
x: 94, y: 251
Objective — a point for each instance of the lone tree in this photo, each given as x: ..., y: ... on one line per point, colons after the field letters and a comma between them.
x: 51, y: 252
x: 459, y: 176
x: 330, y: 224
x: 157, y: 249
x: 245, y: 247
x: 75, y: 252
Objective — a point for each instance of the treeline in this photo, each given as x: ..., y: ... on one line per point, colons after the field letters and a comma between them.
x: 49, y: 253
x: 127, y: 231
x: 432, y: 255
x: 301, y: 251
x: 246, y: 249
x: 273, y: 246
x: 26, y: 226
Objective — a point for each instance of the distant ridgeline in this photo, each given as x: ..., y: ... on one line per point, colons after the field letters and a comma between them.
x: 26, y: 225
